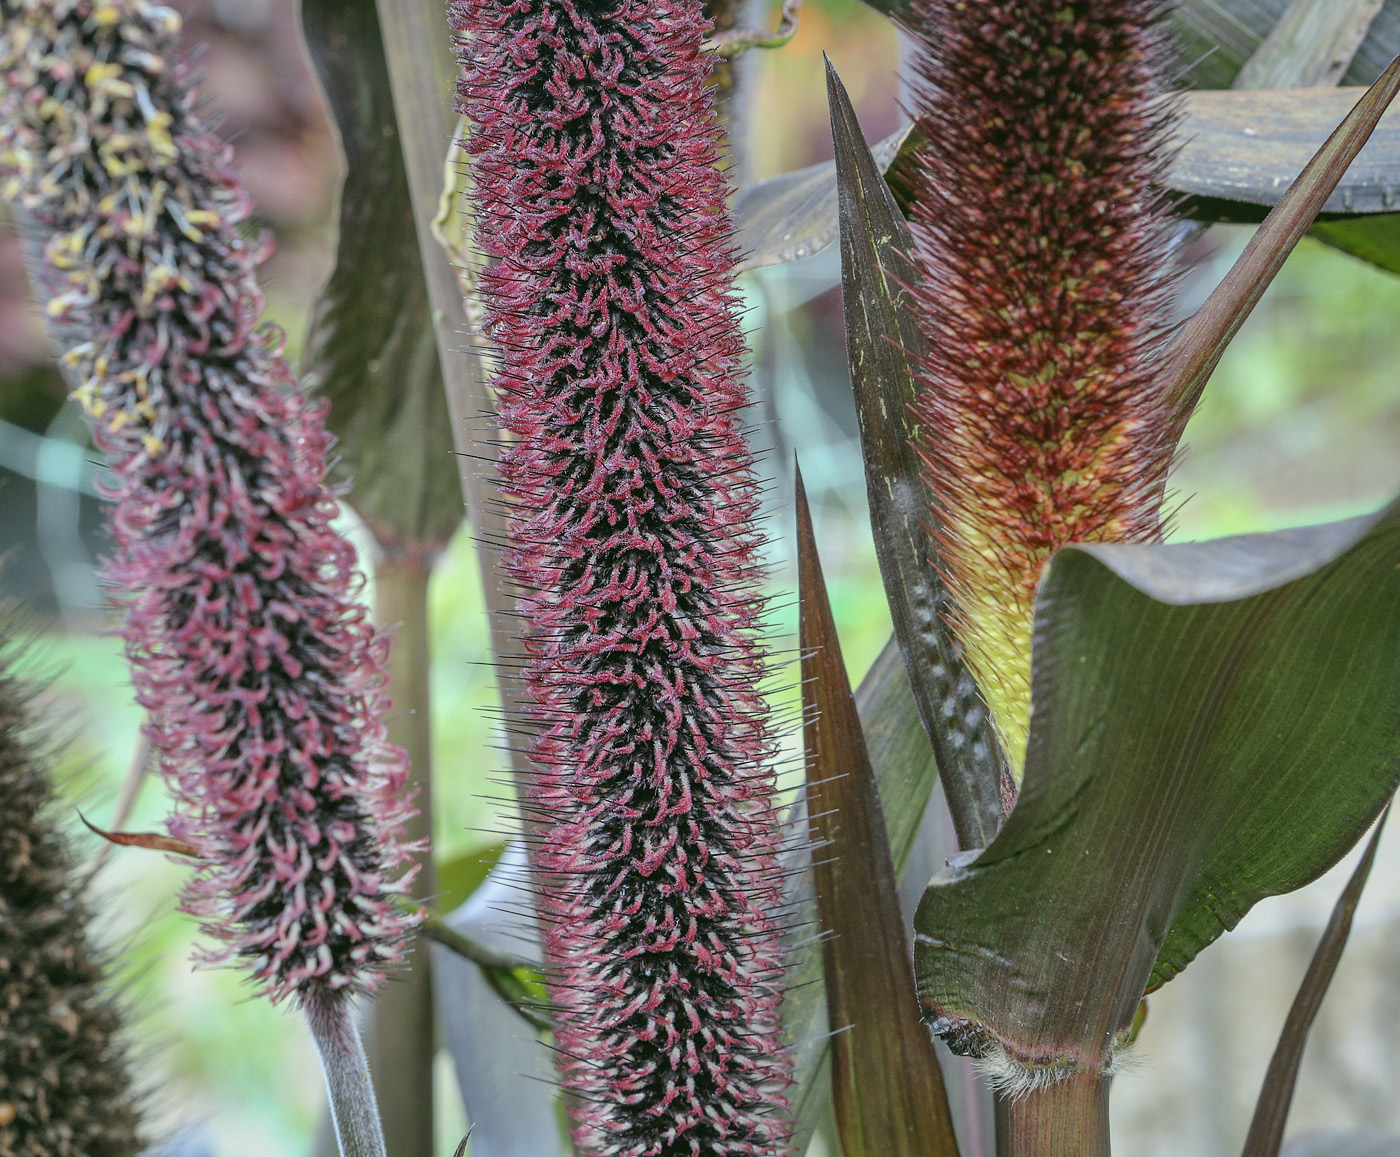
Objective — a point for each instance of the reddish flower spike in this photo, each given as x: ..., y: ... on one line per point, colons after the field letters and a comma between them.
x: 260, y: 671
x: 594, y: 146
x: 1040, y: 239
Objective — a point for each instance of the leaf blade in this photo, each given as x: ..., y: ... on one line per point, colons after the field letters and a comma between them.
x: 887, y: 1084
x: 1233, y: 152
x: 1199, y: 345
x: 1222, y: 694
x: 1312, y: 45
x: 883, y: 343
x: 372, y: 347
x: 1217, y: 37
x: 794, y: 215
x: 1276, y: 1094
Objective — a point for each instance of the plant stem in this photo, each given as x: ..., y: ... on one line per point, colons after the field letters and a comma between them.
x: 1066, y: 1119
x: 400, y: 1031
x: 417, y: 47
x: 331, y: 1018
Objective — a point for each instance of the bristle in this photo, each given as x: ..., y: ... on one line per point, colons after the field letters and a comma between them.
x: 259, y: 670
x: 633, y: 498
x: 64, y: 1086
x: 1039, y: 238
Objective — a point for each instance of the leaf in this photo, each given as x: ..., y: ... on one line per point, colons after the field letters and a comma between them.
x: 1311, y: 46
x: 1234, y: 155
x: 883, y: 342
x: 905, y: 772
x: 372, y: 348
x: 1239, y: 149
x: 423, y: 73
x: 151, y: 841
x: 1216, y: 37
x: 899, y: 747
x: 503, y: 1071
x: 1330, y: 1144
x: 1198, y: 346
x: 901, y: 10
x: 1212, y: 724
x: 1271, y: 1111
x: 887, y: 1086
x: 458, y: 879
x: 1373, y: 239
x: 793, y: 216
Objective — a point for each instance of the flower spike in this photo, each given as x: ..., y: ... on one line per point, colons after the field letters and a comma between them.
x: 261, y: 674
x: 594, y: 145
x: 1040, y: 238
x: 65, y: 1089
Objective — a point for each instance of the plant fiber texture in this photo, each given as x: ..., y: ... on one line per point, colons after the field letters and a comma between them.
x: 260, y: 671
x: 1041, y: 244
x: 632, y: 544
x: 64, y: 1086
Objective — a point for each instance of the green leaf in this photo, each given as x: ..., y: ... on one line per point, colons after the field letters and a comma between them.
x: 905, y: 765
x: 883, y: 341
x: 372, y: 349
x: 1198, y: 346
x: 458, y: 879
x: 1212, y: 724
x: 887, y: 1087
x: 1373, y: 239
x: 1271, y: 1111
x: 794, y: 216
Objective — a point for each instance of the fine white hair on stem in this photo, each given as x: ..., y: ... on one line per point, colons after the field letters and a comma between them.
x: 1015, y: 1079
x: 354, y: 1110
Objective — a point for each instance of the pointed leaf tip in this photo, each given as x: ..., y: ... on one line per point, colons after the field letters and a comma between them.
x: 152, y: 841
x: 1196, y: 350
x: 887, y: 1086
x: 1276, y: 1095
x: 883, y: 346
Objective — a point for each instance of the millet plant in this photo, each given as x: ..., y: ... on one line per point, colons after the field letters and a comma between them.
x: 1134, y: 741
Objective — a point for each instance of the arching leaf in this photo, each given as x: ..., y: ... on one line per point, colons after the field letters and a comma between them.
x: 1212, y: 724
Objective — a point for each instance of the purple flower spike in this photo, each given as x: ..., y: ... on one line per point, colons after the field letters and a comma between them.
x: 633, y: 543
x: 260, y: 671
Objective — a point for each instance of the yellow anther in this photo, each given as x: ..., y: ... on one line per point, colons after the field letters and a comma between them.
x: 100, y: 72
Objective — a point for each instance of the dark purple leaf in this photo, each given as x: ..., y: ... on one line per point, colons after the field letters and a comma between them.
x: 887, y: 1087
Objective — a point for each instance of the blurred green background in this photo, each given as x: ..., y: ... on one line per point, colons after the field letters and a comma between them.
x: 1301, y: 423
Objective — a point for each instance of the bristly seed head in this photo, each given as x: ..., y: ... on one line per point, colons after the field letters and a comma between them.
x: 260, y: 671
x: 65, y: 1090
x: 1040, y: 238
x: 594, y: 145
